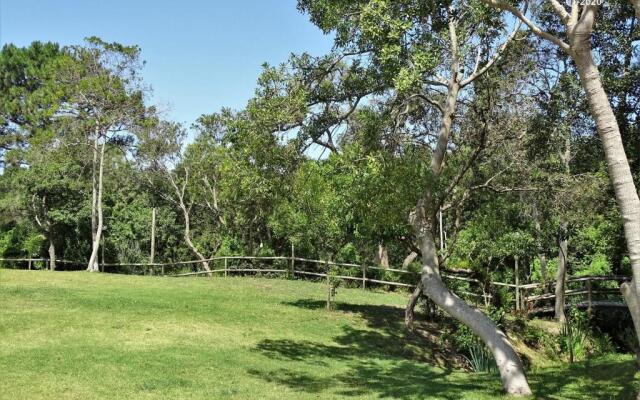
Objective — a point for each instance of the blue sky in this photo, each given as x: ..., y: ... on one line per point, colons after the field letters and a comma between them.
x: 201, y: 55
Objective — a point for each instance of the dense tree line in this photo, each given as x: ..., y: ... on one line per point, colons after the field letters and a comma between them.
x: 435, y: 135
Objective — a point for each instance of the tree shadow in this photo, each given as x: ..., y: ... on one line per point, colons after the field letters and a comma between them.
x: 387, y: 361
x: 389, y: 338
x: 591, y: 379
x: 383, y: 360
x: 401, y: 380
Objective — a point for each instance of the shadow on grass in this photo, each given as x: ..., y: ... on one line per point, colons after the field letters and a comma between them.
x: 591, y: 379
x: 372, y: 378
x: 386, y: 361
x: 388, y: 337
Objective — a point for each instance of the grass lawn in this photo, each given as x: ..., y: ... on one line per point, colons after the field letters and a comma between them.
x: 76, y: 335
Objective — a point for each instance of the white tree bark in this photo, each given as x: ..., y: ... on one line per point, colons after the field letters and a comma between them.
x: 94, y: 194
x: 186, y: 211
x: 187, y: 238
x: 409, y: 259
x: 509, y: 364
x: 52, y: 254
x: 616, y: 158
x: 93, y: 260
x: 382, y: 256
x: 633, y: 302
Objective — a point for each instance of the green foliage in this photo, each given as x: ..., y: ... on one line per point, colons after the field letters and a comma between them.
x: 480, y: 358
x: 471, y: 346
x: 578, y: 340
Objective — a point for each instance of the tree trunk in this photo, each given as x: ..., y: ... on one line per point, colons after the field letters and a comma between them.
x: 93, y: 260
x: 52, y: 254
x: 423, y: 218
x: 152, y: 253
x: 382, y: 257
x: 409, y: 311
x: 94, y: 194
x: 187, y: 239
x: 617, y: 163
x: 409, y: 259
x: 509, y: 364
x: 631, y: 298
x: 562, y: 274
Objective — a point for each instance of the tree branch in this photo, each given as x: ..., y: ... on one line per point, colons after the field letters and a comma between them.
x: 477, y: 73
x: 534, y: 28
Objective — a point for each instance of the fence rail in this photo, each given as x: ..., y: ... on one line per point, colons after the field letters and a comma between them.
x: 523, y: 299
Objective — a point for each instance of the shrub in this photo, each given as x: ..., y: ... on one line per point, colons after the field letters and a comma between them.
x: 480, y: 358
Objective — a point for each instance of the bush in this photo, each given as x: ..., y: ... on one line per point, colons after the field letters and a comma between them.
x: 578, y: 340
x: 480, y: 358
x: 534, y: 337
x: 474, y: 351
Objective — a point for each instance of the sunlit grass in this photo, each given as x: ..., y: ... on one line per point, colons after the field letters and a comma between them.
x: 76, y: 335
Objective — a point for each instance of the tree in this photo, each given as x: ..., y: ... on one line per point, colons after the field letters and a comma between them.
x: 188, y: 180
x: 29, y: 97
x: 425, y: 52
x: 105, y: 104
x: 575, y: 40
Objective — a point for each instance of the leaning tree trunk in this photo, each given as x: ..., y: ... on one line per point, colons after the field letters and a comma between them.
x: 617, y: 165
x: 634, y: 309
x: 93, y: 260
x: 189, y: 242
x: 511, y: 369
x: 52, y: 254
x: 509, y: 364
x: 409, y: 259
x: 561, y: 276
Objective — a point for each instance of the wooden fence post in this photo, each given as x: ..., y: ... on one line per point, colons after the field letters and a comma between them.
x: 152, y: 253
x: 29, y: 264
x: 293, y: 260
x: 364, y: 276
x: 589, y: 297
x: 517, y: 284
x: 226, y: 268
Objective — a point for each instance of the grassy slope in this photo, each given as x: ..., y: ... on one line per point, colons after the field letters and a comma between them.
x: 75, y: 335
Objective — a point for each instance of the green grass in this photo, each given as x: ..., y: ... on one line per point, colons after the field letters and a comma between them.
x: 75, y: 335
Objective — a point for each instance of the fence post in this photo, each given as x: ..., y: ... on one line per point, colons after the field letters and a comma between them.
x: 517, y: 284
x: 162, y: 269
x: 152, y: 253
x: 225, y: 266
x: 326, y: 270
x: 293, y: 260
x: 29, y: 264
x: 589, y: 297
x: 364, y: 276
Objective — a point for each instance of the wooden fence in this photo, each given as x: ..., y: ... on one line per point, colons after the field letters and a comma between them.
x: 525, y: 296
